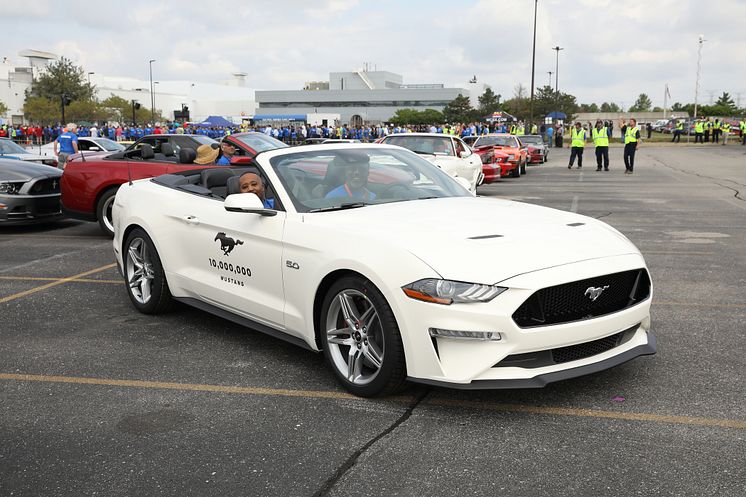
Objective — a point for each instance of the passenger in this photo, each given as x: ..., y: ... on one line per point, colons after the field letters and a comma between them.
x: 206, y: 155
x: 356, y: 171
x: 228, y: 151
x: 252, y: 183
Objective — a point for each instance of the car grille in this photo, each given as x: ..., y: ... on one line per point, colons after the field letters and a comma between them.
x: 570, y: 301
x: 45, y: 186
x: 561, y: 355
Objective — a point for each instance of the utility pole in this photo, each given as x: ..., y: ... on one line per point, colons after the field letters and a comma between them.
x: 533, y: 62
x: 550, y: 78
x: 556, y: 76
x: 152, y: 96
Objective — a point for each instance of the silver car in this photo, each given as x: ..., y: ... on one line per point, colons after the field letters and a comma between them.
x: 28, y: 192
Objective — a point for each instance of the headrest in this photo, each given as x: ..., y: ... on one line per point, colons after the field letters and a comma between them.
x: 187, y: 155
x: 146, y: 151
x: 234, y: 185
x: 167, y: 149
x: 215, y: 177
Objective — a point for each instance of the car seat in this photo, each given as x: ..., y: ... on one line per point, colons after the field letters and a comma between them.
x: 333, y: 178
x: 187, y: 155
x: 146, y: 152
x: 216, y: 180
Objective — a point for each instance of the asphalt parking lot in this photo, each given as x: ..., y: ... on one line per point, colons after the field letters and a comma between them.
x: 97, y: 399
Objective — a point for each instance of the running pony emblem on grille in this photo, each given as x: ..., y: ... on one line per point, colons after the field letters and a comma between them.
x: 595, y: 292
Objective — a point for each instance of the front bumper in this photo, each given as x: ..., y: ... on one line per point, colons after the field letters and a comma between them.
x: 27, y: 209
x: 511, y: 362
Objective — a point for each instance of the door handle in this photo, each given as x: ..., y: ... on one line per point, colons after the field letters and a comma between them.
x: 194, y: 220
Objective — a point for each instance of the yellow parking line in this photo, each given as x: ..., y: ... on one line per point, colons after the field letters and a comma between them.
x: 54, y: 283
x: 39, y: 278
x: 321, y: 394
x: 594, y: 413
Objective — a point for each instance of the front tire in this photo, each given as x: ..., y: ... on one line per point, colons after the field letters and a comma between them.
x: 103, y: 211
x: 144, y: 276
x: 523, y: 168
x: 360, y: 338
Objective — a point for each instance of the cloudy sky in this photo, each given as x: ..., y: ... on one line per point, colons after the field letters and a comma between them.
x: 613, y: 50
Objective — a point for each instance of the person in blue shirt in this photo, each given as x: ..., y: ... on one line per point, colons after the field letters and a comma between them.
x: 356, y: 169
x: 252, y: 183
x: 66, y: 144
x: 228, y: 151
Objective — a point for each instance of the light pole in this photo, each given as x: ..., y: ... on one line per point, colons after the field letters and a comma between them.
x: 699, y: 68
x: 89, y: 77
x: 533, y: 62
x: 556, y: 78
x: 550, y: 78
x: 152, y: 97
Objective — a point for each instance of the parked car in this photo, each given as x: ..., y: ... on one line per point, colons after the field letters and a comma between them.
x: 504, y: 143
x: 449, y: 153
x: 537, y: 152
x: 89, y: 184
x: 388, y: 279
x: 29, y: 192
x: 11, y: 150
x: 86, y: 144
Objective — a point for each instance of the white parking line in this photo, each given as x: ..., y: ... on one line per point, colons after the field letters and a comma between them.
x: 574, y: 205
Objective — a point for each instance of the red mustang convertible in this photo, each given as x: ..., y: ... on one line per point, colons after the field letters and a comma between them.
x: 89, y: 184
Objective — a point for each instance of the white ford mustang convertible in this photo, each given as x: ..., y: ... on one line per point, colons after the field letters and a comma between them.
x: 389, y: 266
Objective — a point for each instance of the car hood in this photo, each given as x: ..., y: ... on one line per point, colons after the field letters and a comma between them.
x: 14, y: 170
x: 483, y: 240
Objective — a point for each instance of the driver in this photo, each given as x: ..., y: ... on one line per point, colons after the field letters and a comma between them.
x: 355, y: 172
x: 252, y: 183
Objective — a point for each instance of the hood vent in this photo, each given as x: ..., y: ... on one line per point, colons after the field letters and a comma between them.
x: 484, y: 237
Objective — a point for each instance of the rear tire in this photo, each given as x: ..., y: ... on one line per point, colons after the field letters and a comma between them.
x: 360, y: 338
x: 103, y: 211
x: 143, y: 274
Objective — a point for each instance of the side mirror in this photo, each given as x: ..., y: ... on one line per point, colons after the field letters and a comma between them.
x: 464, y: 154
x: 463, y: 182
x: 238, y: 160
x: 247, y: 202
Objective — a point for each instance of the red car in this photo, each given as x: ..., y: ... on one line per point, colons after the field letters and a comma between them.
x: 89, y: 184
x: 537, y: 150
x: 503, y: 150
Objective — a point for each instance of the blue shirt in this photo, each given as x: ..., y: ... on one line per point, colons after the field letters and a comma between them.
x: 223, y: 161
x: 269, y: 203
x: 66, y: 140
x: 344, y: 191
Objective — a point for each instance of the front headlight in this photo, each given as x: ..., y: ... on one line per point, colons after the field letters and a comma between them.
x: 10, y: 187
x: 448, y: 292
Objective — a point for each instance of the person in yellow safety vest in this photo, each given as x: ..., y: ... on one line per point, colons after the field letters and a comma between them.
x: 678, y: 129
x: 534, y: 129
x: 513, y: 128
x: 742, y: 127
x: 600, y: 135
x: 577, y: 134
x: 725, y: 130
x: 521, y: 130
x: 699, y: 131
x: 631, y: 141
x: 716, y: 131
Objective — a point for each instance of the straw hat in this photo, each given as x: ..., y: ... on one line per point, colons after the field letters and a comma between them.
x: 206, y: 154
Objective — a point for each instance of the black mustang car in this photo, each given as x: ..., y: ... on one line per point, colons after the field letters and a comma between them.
x: 28, y: 192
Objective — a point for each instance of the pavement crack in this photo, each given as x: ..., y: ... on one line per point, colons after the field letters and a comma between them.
x: 714, y: 180
x: 601, y: 216
x: 352, y: 460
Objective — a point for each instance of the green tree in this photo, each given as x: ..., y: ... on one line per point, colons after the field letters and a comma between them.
x: 60, y: 77
x: 642, y: 104
x: 726, y: 103
x: 610, y: 107
x: 3, y: 108
x: 42, y: 110
x: 546, y: 100
x: 459, y: 110
x: 489, y: 102
x: 432, y: 116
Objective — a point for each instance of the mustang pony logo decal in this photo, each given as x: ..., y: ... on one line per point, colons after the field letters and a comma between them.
x: 227, y: 243
x: 595, y: 292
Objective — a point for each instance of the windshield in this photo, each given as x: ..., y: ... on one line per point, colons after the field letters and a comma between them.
x: 260, y: 142
x: 496, y: 141
x: 8, y: 147
x: 109, y: 145
x: 435, y: 145
x: 355, y: 177
x: 532, y: 139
